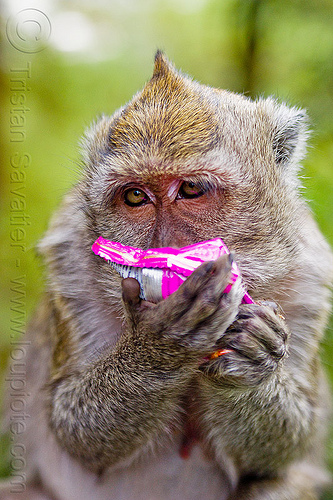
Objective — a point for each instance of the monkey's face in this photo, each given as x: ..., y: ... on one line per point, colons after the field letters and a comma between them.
x: 183, y: 163
x: 166, y: 211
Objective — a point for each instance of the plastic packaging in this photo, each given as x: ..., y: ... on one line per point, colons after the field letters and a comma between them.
x: 161, y: 271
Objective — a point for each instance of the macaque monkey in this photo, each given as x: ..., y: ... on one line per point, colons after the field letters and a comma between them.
x: 125, y: 401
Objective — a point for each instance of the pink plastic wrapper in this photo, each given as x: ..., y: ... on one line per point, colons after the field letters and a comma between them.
x: 161, y: 271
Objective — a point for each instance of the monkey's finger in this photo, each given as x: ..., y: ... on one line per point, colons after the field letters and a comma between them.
x: 215, y: 325
x: 256, y: 341
x: 134, y: 305
x: 174, y: 306
x: 169, y: 312
x: 196, y: 299
x: 208, y: 299
x: 264, y: 309
x: 130, y: 291
x: 209, y: 291
x: 265, y: 325
x: 273, y: 332
x: 234, y: 369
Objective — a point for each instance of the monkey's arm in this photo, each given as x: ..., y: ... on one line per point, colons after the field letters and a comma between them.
x: 107, y: 412
x: 262, y: 409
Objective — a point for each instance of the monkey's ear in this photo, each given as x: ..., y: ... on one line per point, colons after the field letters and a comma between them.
x: 290, y: 133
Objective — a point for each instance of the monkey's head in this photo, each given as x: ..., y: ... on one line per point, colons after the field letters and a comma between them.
x: 183, y: 163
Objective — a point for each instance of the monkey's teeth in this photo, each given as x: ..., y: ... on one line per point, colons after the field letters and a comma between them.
x: 150, y: 280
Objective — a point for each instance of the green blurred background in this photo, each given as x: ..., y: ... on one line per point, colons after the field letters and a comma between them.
x: 89, y: 57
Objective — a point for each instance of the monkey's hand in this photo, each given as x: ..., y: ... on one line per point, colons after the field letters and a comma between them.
x: 192, y: 319
x: 255, y: 344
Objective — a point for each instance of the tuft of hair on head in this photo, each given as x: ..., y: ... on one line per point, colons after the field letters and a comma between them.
x: 162, y: 65
x: 165, y: 70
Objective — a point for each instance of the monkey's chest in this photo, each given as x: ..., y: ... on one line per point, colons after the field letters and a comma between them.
x: 168, y: 476
x: 190, y: 438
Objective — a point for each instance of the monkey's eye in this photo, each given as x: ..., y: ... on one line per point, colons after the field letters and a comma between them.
x: 135, y: 197
x: 190, y: 189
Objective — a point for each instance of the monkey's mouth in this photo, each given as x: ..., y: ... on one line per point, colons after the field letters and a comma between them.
x: 161, y: 271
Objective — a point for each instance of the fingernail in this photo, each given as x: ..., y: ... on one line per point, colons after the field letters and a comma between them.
x: 269, y: 303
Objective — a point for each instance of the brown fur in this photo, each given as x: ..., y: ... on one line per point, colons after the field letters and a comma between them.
x: 127, y: 383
